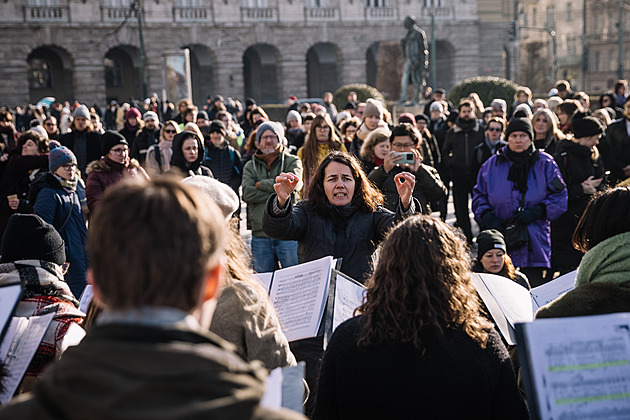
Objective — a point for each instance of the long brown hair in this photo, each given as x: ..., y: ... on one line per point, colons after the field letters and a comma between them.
x: 366, y: 197
x: 309, y: 150
x: 421, y: 285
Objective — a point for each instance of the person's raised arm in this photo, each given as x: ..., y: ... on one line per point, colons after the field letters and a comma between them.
x: 286, y: 182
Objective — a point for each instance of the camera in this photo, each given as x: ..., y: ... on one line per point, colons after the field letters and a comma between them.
x: 407, y: 158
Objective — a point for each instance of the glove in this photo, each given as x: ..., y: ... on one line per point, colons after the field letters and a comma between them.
x: 491, y: 221
x: 527, y: 216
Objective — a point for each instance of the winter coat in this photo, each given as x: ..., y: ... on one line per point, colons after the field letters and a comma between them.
x: 62, y: 209
x: 482, y: 153
x: 151, y: 164
x: 459, y: 146
x: 92, y: 148
x: 617, y: 156
x: 246, y: 318
x: 576, y: 165
x: 345, y: 233
x: 138, y: 372
x: 428, y: 188
x: 544, y: 186
x: 256, y: 172
x: 44, y: 291
x: 105, y: 172
x: 142, y: 142
x: 179, y: 163
x: 225, y: 164
x: 454, y: 379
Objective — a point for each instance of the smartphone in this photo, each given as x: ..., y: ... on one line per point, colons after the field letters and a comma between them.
x: 408, y: 158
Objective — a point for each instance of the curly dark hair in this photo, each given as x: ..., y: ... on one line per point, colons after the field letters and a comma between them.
x: 421, y: 285
x: 366, y: 197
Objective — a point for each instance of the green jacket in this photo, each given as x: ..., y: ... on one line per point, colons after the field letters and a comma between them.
x: 255, y: 171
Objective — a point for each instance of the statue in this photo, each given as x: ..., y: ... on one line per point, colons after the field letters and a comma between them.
x: 415, y: 61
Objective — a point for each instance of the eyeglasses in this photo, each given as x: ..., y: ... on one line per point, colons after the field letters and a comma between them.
x: 120, y: 151
x: 170, y: 131
x: 323, y: 127
x: 50, y: 124
x: 493, y: 129
x: 69, y: 166
x: 269, y: 137
x: 403, y: 145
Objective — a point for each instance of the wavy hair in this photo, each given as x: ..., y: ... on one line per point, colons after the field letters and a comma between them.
x: 376, y: 137
x: 421, y: 286
x: 309, y: 150
x: 170, y: 123
x: 366, y: 197
x: 552, y: 121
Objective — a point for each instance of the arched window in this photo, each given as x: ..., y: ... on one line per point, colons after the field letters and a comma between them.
x: 39, y: 74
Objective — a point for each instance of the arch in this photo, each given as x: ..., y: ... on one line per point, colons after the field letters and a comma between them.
x: 49, y: 73
x: 260, y: 73
x: 122, y: 73
x: 201, y: 72
x: 322, y: 70
x: 445, y: 56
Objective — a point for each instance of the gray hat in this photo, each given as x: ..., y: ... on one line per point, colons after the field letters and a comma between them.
x: 81, y: 111
x: 436, y: 106
x: 222, y: 195
x: 294, y: 115
x: 499, y: 103
x: 273, y: 126
x: 150, y: 115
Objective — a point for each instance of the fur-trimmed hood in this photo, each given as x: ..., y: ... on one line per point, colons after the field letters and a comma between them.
x: 105, y: 164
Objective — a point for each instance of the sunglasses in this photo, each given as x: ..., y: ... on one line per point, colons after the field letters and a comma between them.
x: 170, y: 131
x: 494, y: 129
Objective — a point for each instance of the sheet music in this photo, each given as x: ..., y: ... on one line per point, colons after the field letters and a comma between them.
x: 552, y: 290
x: 86, y: 298
x: 348, y: 296
x: 581, y: 366
x: 512, y: 300
x: 9, y: 296
x: 265, y: 280
x: 27, y: 335
x: 299, y: 295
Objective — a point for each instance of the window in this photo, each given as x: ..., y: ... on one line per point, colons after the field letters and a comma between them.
x: 376, y: 3
x: 596, y: 61
x: 39, y: 74
x: 188, y: 3
x: 569, y: 12
x: 431, y: 3
x: 117, y: 3
x: 534, y: 20
x: 612, y: 65
x: 43, y: 3
x: 113, y: 72
x: 550, y: 17
x: 255, y: 3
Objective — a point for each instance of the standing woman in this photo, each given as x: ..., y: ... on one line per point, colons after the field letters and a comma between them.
x: 521, y: 187
x: 348, y: 132
x: 547, y: 135
x: 111, y: 168
x: 372, y: 119
x: 375, y: 149
x: 320, y: 141
x: 188, y: 155
x: 60, y: 202
x: 420, y: 347
x: 159, y: 155
x: 133, y: 124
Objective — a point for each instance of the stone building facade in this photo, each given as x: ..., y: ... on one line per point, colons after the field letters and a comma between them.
x: 89, y: 50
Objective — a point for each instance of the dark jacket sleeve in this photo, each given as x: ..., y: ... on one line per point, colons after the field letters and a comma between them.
x: 429, y: 183
x: 290, y: 226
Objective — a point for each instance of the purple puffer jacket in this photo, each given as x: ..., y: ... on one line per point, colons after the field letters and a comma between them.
x: 544, y: 186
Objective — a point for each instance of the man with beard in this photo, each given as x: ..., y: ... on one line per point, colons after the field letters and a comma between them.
x: 458, y: 151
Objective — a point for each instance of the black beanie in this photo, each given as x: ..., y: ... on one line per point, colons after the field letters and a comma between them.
x: 109, y: 139
x: 217, y: 126
x: 452, y: 116
x: 587, y: 127
x: 520, y: 124
x: 29, y: 237
x: 489, y: 239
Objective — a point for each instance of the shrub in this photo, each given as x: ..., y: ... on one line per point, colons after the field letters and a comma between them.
x: 363, y: 93
x: 488, y: 88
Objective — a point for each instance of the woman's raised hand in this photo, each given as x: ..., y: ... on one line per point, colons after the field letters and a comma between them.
x: 284, y: 186
x: 405, y: 183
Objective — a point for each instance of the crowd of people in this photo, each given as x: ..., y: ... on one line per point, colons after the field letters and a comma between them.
x: 97, y: 186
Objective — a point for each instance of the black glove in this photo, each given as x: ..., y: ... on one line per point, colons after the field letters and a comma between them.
x: 491, y: 221
x: 527, y: 216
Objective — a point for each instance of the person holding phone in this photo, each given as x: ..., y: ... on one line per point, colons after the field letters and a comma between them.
x: 405, y: 156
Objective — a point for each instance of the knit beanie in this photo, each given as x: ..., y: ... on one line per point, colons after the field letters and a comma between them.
x: 373, y: 108
x: 109, y: 139
x: 452, y: 116
x: 59, y: 156
x: 490, y: 239
x: 407, y: 117
x: 202, y: 115
x: 499, y: 103
x: 436, y: 106
x: 132, y: 113
x: 520, y: 124
x: 294, y: 115
x: 150, y: 115
x: 29, y: 237
x: 81, y: 111
x: 587, y: 127
x: 217, y: 126
x: 222, y: 195
x: 422, y: 117
x: 39, y: 130
x: 273, y: 126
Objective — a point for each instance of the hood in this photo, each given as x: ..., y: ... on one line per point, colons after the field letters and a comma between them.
x: 178, y: 156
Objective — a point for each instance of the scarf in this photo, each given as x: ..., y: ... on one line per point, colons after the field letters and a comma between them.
x: 378, y: 161
x: 606, y: 262
x: 268, y: 158
x: 466, y: 125
x: 521, y: 164
x: 165, y: 151
x: 69, y: 186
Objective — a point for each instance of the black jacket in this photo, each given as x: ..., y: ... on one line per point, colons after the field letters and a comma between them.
x: 141, y: 143
x: 429, y: 186
x: 482, y: 153
x: 459, y: 147
x: 92, y: 144
x: 616, y: 153
x: 225, y: 164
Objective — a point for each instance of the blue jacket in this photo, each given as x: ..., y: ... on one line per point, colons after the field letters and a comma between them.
x: 53, y: 204
x: 544, y: 186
